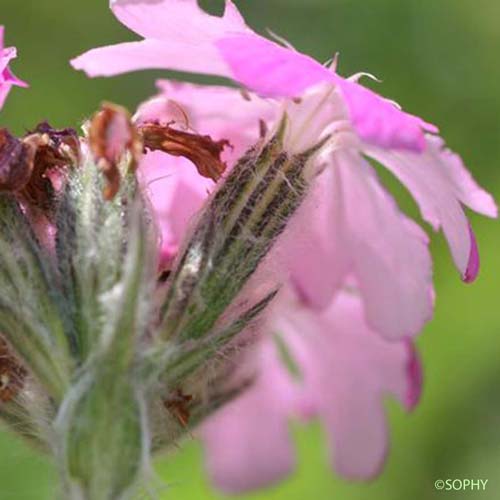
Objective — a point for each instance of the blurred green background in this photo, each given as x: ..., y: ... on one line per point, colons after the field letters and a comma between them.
x: 437, y: 57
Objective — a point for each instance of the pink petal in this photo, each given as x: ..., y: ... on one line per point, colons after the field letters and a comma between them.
x: 179, y: 36
x: 6, y: 55
x: 369, y: 369
x: 390, y: 256
x: 150, y: 54
x: 270, y: 69
x: 365, y: 235
x: 4, y: 92
x: 275, y: 71
x: 177, y: 20
x: 247, y: 442
x: 358, y: 432
x: 380, y: 122
x: 439, y: 182
x: 313, y: 255
x: 176, y: 192
x: 348, y: 370
x: 7, y: 78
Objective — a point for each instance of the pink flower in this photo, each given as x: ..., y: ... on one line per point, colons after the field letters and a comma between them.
x: 7, y: 78
x: 358, y: 272
x: 343, y: 373
x: 373, y: 243
x: 333, y: 347
x: 363, y: 120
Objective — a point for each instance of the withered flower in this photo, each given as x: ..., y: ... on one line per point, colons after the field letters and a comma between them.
x: 202, y: 150
x: 59, y: 147
x: 111, y: 135
x: 31, y: 166
x: 55, y: 150
x: 16, y: 162
x: 12, y: 374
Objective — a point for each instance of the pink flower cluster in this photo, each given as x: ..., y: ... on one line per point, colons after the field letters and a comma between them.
x: 356, y: 273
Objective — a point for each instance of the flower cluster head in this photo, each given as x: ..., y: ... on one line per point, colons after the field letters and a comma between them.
x: 223, y: 261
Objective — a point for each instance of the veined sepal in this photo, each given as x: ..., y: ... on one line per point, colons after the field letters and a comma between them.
x: 237, y: 227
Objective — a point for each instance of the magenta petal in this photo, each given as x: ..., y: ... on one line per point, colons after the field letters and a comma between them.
x: 179, y: 35
x: 473, y: 264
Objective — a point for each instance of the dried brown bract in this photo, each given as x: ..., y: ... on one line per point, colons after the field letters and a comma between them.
x: 202, y: 150
x: 12, y: 374
x: 111, y: 135
x: 177, y: 404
